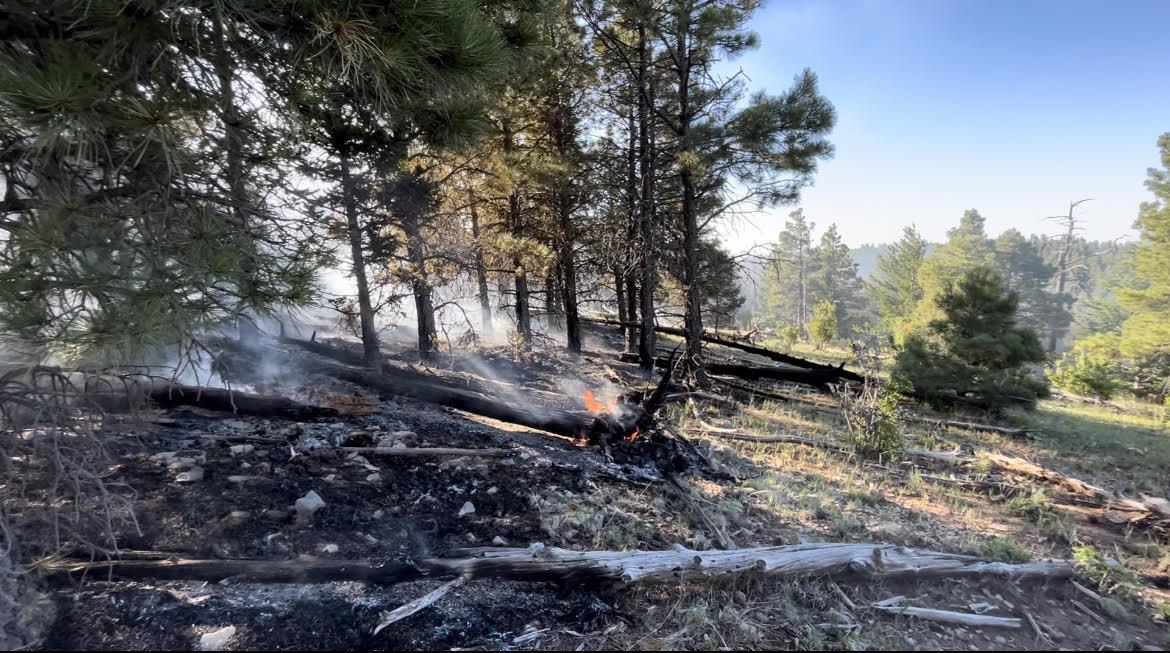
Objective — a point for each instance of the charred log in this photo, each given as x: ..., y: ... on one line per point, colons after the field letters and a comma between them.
x: 712, y: 339
x: 820, y: 378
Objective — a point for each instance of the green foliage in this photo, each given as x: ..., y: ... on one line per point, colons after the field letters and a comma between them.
x: 1145, y: 335
x: 1037, y: 509
x: 895, y: 287
x: 1090, y: 368
x: 975, y: 353
x: 871, y: 415
x: 787, y: 335
x: 824, y: 327
x: 1026, y: 272
x: 789, y: 275
x: 834, y: 279
x: 1005, y: 549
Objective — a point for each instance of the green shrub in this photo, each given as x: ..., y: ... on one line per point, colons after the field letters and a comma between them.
x: 1005, y: 549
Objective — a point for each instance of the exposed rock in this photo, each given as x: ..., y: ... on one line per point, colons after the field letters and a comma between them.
x: 237, y: 517
x: 499, y: 541
x: 309, y: 504
x: 330, y: 548
x: 242, y: 449
x: 191, y: 475
x: 467, y: 509
x: 216, y: 640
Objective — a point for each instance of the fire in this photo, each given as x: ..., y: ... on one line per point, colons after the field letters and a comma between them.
x: 633, y: 436
x: 596, y: 407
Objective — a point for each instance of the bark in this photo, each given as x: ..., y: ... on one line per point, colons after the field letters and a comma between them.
x: 481, y: 281
x: 646, y: 236
x: 419, y: 284
x: 234, y: 166
x: 539, y: 563
x: 820, y: 378
x: 373, y: 353
x: 633, y: 204
x: 520, y: 275
x: 126, y: 395
x: 745, y: 347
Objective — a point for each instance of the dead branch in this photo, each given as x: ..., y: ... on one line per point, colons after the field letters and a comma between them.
x: 428, y: 451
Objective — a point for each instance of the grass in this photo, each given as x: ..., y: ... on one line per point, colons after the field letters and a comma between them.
x: 1133, y: 445
x: 1005, y: 549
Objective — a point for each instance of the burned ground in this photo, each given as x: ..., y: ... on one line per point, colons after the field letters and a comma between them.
x: 553, y: 490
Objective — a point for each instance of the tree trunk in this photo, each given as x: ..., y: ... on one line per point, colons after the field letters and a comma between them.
x: 568, y: 268
x: 619, y: 288
x: 373, y: 353
x: 633, y: 204
x: 234, y: 158
x: 646, y: 337
x: 420, y: 285
x: 481, y: 281
x: 519, y: 275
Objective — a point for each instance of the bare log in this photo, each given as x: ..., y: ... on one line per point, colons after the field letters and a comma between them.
x: 551, y: 564
x: 949, y: 617
x: 170, y: 395
x: 417, y: 605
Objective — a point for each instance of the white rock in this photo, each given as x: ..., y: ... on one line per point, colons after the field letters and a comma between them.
x: 499, y: 541
x: 237, y: 517
x: 309, y: 504
x: 191, y: 475
x: 242, y: 449
x: 216, y: 640
x: 467, y: 509
x: 374, y: 478
x: 378, y: 514
x: 493, y: 489
x: 330, y: 548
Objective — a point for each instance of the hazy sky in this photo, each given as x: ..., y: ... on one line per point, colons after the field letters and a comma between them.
x: 1013, y: 107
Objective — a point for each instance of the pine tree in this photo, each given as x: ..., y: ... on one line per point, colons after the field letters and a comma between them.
x: 895, y: 287
x: 824, y: 326
x: 974, y: 352
x: 835, y: 280
x: 789, y: 274
x: 1145, y: 335
x: 1024, y: 270
x: 967, y: 247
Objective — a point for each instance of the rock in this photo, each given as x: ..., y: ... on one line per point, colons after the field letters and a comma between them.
x: 467, y: 509
x: 310, y: 443
x: 216, y: 640
x: 276, y: 515
x: 470, y: 537
x: 370, y: 539
x: 454, y: 463
x: 237, y: 517
x: 242, y: 449
x: 309, y: 504
x: 378, y: 514
x: 499, y: 541
x: 374, y: 478
x: 493, y: 489
x: 330, y: 548
x: 240, y: 478
x: 191, y: 475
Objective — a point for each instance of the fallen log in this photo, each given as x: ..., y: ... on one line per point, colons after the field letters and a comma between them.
x: 821, y: 378
x: 709, y: 338
x: 950, y: 617
x: 1143, y: 507
x: 1011, y: 431
x: 428, y: 451
x: 538, y: 563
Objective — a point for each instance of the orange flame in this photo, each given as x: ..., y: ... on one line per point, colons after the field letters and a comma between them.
x: 596, y: 407
x: 633, y: 436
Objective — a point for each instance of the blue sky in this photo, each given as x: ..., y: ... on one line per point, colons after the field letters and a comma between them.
x: 1013, y: 107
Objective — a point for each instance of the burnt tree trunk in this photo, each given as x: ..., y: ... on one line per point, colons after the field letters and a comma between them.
x: 373, y: 353
x: 481, y: 280
x: 519, y: 273
x: 647, y: 342
x: 420, y: 285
